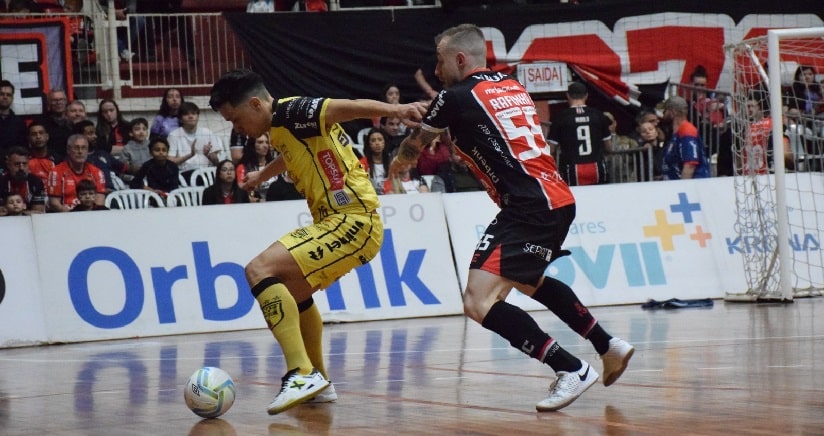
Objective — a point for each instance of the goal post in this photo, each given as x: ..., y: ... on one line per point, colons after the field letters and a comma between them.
x: 779, y: 162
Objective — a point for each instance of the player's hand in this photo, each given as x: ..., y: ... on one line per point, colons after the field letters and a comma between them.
x: 250, y: 181
x: 411, y: 114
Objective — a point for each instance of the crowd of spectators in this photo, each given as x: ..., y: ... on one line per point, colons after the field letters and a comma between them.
x: 162, y: 153
x: 49, y: 157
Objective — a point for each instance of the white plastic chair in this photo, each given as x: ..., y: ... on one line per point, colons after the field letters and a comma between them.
x: 183, y: 182
x: 361, y: 139
x: 189, y: 196
x: 203, y: 176
x: 133, y: 199
x: 118, y: 183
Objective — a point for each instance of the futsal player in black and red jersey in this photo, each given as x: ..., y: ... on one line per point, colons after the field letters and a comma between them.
x: 583, y: 135
x: 498, y: 134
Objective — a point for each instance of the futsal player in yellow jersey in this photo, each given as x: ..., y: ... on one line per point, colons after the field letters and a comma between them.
x: 346, y: 231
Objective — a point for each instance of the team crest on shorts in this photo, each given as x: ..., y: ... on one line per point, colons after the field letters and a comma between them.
x: 272, y: 312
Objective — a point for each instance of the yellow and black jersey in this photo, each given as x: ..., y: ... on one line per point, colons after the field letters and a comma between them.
x: 321, y: 163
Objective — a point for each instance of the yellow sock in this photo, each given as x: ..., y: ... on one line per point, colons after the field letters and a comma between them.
x: 281, y: 314
x: 311, y: 327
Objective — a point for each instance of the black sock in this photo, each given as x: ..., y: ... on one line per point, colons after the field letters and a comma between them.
x: 562, y: 301
x: 599, y: 338
x: 523, y: 333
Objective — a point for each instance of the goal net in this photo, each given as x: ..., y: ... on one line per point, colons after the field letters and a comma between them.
x: 777, y: 125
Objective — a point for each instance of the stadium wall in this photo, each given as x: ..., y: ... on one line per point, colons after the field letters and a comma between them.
x: 121, y: 274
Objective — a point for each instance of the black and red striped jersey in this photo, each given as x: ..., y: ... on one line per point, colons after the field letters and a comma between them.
x: 580, y: 132
x: 498, y: 133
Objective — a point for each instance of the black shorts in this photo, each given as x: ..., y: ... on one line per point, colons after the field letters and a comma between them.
x: 518, y: 245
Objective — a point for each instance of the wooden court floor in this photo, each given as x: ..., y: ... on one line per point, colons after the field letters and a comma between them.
x: 732, y: 369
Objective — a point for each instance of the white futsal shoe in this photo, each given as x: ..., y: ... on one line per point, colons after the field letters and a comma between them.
x: 616, y: 359
x: 297, y: 388
x: 567, y: 387
x: 327, y: 395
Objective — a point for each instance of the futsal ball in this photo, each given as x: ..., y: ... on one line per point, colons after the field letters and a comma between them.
x: 210, y: 392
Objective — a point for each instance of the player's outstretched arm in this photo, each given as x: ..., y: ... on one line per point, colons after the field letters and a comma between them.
x: 409, y: 150
x: 342, y: 110
x: 254, y: 178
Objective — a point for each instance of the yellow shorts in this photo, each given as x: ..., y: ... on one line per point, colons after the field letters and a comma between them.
x: 327, y: 250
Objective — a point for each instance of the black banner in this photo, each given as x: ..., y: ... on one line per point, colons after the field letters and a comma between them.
x: 353, y: 54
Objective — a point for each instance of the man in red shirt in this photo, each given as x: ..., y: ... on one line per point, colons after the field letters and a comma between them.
x: 754, y: 153
x: 63, y: 179
x: 40, y: 161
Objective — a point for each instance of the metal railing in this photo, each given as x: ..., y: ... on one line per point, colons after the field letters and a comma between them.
x: 180, y: 50
x: 630, y: 165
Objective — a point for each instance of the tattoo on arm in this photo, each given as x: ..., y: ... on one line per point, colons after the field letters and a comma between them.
x: 411, y: 147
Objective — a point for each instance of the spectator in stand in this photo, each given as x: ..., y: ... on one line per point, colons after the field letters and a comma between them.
x: 392, y: 95
x: 392, y: 127
x: 624, y: 166
x: 647, y: 115
x: 455, y: 176
x: 708, y: 108
x: 225, y: 190
x: 376, y: 157
x: 806, y: 92
x: 407, y: 182
x: 190, y: 146
x: 650, y: 140
x: 757, y: 153
x: 425, y: 76
x: 260, y: 6
x: 136, y: 152
x: 24, y: 6
x: 435, y: 154
x: 800, y: 136
x: 168, y: 117
x: 63, y: 179
x: 87, y: 197
x: 302, y: 5
x: 112, y: 128
x: 684, y: 155
x: 41, y: 162
x: 238, y: 144
x: 18, y: 180
x: 13, y: 205
x: 56, y: 122
x: 619, y: 142
x: 583, y: 136
x: 76, y: 112
x: 255, y: 158
x: 13, y: 128
x: 159, y: 174
x: 102, y: 159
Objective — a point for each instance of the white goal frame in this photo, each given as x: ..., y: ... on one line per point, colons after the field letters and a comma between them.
x: 773, y: 77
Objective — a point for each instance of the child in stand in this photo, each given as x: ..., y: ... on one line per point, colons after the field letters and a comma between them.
x: 86, y: 192
x: 136, y: 152
x: 159, y: 174
x: 15, y: 206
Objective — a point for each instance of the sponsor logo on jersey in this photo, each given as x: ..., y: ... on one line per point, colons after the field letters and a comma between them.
x: 537, y: 250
